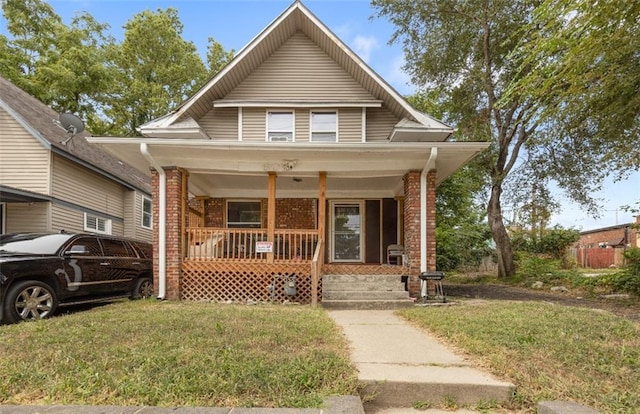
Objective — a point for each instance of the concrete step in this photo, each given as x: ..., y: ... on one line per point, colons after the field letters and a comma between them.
x: 362, y: 278
x: 367, y: 304
x: 365, y: 294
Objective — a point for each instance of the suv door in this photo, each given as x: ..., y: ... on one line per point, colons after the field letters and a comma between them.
x: 82, y: 267
x: 121, y: 265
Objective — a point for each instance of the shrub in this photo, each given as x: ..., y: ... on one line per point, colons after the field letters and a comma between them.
x: 628, y: 280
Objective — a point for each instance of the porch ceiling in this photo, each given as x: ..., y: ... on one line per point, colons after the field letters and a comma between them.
x: 232, y: 169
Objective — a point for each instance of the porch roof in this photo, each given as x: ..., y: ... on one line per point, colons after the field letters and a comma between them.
x: 239, y: 169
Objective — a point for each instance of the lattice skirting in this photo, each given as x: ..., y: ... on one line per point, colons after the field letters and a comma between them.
x: 350, y: 269
x: 245, y: 281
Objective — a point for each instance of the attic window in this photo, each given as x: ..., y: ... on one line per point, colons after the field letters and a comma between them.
x: 280, y: 126
x: 324, y: 126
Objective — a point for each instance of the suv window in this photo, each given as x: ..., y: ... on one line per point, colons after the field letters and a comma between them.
x: 115, y: 248
x: 90, y: 244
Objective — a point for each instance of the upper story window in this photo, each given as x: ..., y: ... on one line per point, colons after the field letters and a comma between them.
x: 324, y: 126
x: 280, y: 126
x: 97, y: 224
x: 146, y: 212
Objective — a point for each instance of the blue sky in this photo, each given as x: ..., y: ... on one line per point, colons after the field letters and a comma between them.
x: 234, y: 23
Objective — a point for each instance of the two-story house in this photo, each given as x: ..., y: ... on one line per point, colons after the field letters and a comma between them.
x: 51, y: 180
x: 295, y: 160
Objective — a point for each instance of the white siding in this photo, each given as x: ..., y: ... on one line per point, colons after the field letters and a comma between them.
x: 380, y: 122
x: 299, y: 69
x: 221, y: 124
x: 130, y: 214
x: 24, y: 161
x: 254, y: 124
x: 81, y: 186
x: 27, y: 217
x: 139, y: 232
x: 67, y: 219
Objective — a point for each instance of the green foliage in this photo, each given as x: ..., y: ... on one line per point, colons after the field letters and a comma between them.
x: 628, y: 280
x: 553, y: 241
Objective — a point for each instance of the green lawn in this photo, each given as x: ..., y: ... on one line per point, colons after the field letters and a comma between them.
x: 176, y: 354
x: 550, y: 352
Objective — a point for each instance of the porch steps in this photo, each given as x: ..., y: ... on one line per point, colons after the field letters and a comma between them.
x: 364, y: 292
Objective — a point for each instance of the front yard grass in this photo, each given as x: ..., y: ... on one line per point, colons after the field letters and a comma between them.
x: 550, y: 352
x: 176, y: 354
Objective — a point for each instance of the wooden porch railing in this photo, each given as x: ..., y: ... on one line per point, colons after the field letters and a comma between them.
x: 316, y: 271
x: 223, y: 244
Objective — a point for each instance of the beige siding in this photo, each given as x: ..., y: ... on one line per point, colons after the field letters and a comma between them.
x: 299, y: 69
x: 380, y: 122
x: 130, y: 214
x: 303, y: 120
x: 141, y: 233
x: 72, y: 220
x: 24, y: 161
x: 254, y: 124
x: 67, y: 219
x: 81, y: 186
x: 350, y: 125
x: 221, y: 124
x: 26, y: 217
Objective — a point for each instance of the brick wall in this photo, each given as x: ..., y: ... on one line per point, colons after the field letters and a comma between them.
x: 173, y: 231
x: 412, y: 227
x: 296, y: 213
x: 291, y: 213
x: 609, y: 234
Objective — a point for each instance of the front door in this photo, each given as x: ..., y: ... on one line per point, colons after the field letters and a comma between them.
x: 346, y: 231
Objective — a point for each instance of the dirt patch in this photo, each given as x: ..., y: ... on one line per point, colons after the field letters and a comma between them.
x: 627, y: 308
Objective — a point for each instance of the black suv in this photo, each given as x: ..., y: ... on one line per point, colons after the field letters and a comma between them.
x: 39, y: 272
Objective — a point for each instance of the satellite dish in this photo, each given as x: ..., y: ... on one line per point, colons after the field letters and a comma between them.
x: 70, y: 123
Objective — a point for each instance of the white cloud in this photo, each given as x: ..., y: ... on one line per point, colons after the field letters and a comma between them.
x: 363, y: 45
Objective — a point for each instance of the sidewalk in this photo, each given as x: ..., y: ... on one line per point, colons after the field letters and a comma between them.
x: 403, y: 365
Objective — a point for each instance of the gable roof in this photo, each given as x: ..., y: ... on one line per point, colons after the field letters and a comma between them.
x: 40, y: 121
x: 294, y: 19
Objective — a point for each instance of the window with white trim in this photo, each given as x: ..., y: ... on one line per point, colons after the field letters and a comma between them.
x: 280, y: 126
x: 97, y: 224
x: 324, y: 126
x: 244, y: 214
x: 146, y: 212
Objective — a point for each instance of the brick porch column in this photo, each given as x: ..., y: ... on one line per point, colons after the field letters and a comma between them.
x: 173, y: 231
x: 412, y: 226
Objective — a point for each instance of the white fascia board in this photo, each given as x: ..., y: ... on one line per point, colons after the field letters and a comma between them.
x: 189, y: 133
x: 222, y: 103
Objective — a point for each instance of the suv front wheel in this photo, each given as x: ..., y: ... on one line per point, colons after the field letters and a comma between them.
x: 30, y: 300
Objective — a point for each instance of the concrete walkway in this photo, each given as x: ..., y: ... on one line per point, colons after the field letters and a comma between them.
x: 403, y: 365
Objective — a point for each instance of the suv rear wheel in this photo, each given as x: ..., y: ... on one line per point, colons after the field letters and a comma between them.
x: 30, y: 300
x: 144, y: 289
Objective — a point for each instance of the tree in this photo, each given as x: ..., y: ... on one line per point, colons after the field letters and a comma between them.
x: 585, y: 81
x: 462, y: 233
x: 463, y: 49
x: 217, y: 57
x: 63, y: 66
x: 154, y: 70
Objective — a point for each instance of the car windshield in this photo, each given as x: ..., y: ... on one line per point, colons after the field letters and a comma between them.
x: 32, y: 243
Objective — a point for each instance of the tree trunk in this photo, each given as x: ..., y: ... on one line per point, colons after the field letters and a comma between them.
x: 506, y: 266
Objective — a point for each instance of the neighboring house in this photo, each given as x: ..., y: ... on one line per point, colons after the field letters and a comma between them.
x: 295, y: 160
x: 602, y: 248
x: 47, y: 185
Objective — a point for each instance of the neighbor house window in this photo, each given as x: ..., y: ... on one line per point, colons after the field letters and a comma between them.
x: 324, y: 126
x: 97, y: 224
x: 280, y: 126
x: 244, y: 214
x: 146, y: 212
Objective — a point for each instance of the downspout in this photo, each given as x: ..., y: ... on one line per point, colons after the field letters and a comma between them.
x: 430, y: 165
x: 162, y: 215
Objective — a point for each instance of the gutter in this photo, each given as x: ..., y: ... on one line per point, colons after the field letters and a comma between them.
x: 430, y: 165
x: 162, y: 215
